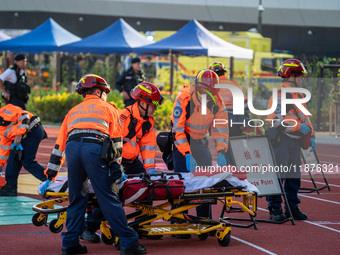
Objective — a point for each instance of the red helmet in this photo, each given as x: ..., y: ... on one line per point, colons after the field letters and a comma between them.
x: 292, y: 67
x: 92, y: 80
x: 206, y: 79
x: 148, y: 93
x: 218, y: 68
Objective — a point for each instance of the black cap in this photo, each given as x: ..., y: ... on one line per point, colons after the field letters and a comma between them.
x: 19, y: 57
x: 135, y: 60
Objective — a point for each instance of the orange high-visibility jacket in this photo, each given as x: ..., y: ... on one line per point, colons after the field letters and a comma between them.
x: 93, y: 116
x: 187, y: 120
x: 227, y: 96
x: 294, y: 117
x: 13, y: 121
x: 139, y: 136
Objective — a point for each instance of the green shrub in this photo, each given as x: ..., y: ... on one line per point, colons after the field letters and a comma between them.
x: 162, y: 116
x: 53, y: 105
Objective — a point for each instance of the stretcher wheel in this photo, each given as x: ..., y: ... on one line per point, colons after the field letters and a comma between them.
x: 36, y: 222
x: 108, y: 241
x: 225, y: 241
x: 53, y: 228
x: 203, y: 236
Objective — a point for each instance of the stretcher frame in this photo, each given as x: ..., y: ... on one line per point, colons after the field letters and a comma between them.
x: 180, y: 222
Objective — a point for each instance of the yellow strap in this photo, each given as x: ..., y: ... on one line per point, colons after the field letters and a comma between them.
x: 296, y: 65
x: 90, y: 75
x: 145, y: 89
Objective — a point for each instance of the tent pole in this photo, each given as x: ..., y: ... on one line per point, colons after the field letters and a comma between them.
x: 58, y: 69
x: 114, y: 73
x: 39, y: 70
x: 231, y: 68
x: 171, y: 71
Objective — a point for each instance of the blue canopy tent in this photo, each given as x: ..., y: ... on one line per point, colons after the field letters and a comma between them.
x: 48, y: 37
x: 194, y: 39
x: 118, y: 38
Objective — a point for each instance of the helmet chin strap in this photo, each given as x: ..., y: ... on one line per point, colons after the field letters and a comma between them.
x: 293, y: 82
x: 145, y: 110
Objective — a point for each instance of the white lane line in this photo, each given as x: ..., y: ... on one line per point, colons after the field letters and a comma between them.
x: 310, y: 222
x: 327, y: 155
x: 313, y: 223
x: 321, y: 199
x: 326, y: 223
x: 333, y: 185
x: 253, y: 245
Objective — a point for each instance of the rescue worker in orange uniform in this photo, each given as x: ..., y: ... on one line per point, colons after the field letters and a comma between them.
x: 90, y: 139
x: 288, y: 152
x: 138, y: 131
x: 20, y: 135
x: 190, y: 126
x: 236, y: 122
x: 139, y: 137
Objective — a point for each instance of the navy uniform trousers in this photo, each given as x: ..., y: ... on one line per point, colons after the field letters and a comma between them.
x: 201, y: 153
x: 288, y: 153
x: 83, y: 162
x: 94, y: 219
x: 30, y: 147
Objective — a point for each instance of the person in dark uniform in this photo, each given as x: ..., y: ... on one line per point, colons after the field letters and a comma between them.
x: 129, y: 79
x: 13, y: 83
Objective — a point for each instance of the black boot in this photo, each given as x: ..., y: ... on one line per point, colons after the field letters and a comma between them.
x: 9, y: 190
x: 133, y: 250
x: 79, y: 249
x: 90, y: 236
x: 276, y: 214
x: 297, y: 214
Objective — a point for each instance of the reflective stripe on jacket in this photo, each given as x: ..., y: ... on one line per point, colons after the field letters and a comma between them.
x: 294, y: 116
x: 14, y: 121
x: 139, y: 136
x: 187, y: 119
x: 93, y: 114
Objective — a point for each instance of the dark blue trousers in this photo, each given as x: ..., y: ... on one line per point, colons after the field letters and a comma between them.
x: 201, y: 153
x: 288, y: 154
x: 83, y: 162
x: 93, y: 219
x: 30, y: 147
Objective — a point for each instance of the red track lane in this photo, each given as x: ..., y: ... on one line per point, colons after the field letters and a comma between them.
x: 318, y: 235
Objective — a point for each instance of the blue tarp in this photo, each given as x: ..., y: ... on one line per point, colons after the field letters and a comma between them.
x: 120, y: 37
x: 194, y: 39
x: 48, y: 37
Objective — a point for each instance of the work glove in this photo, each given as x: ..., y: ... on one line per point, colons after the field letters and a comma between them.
x: 221, y: 160
x: 190, y: 163
x: 313, y: 143
x: 17, y: 147
x: 151, y: 170
x: 43, y: 189
x: 304, y: 129
x: 123, y: 178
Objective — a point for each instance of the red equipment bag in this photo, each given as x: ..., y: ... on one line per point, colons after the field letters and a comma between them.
x: 133, y: 191
x: 166, y: 188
